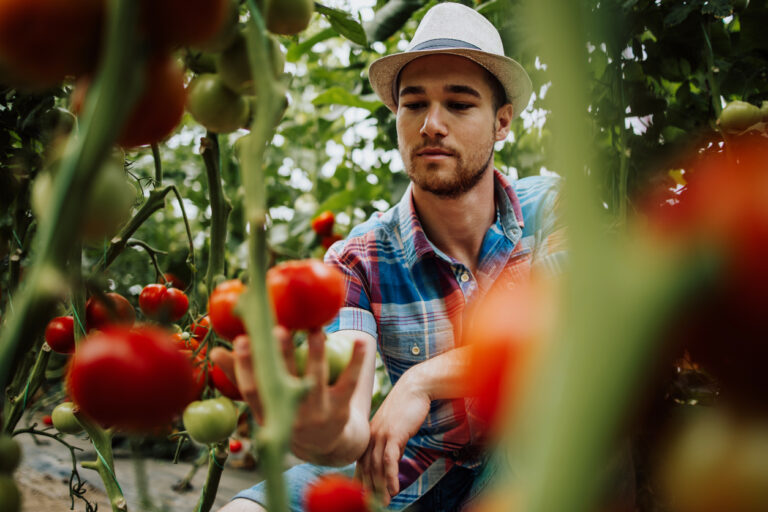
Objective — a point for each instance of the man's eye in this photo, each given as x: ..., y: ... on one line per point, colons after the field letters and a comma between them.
x: 413, y: 105
x: 460, y: 106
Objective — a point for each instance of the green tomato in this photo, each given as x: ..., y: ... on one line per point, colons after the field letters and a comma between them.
x: 235, y: 68
x: 10, y: 497
x: 210, y: 421
x: 288, y: 17
x: 338, y: 353
x: 737, y: 116
x: 10, y: 454
x: 215, y: 106
x: 64, y: 419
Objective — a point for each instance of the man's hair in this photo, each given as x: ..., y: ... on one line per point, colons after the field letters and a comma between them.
x: 498, y: 95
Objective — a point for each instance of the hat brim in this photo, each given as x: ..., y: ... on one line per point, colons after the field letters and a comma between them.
x: 513, y: 78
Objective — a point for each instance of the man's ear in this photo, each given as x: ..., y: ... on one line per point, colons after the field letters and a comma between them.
x: 503, y: 120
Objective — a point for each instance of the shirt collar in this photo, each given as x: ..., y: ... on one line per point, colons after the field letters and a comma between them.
x: 509, y: 216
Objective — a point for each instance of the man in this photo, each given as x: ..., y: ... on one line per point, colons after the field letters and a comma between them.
x: 410, y: 271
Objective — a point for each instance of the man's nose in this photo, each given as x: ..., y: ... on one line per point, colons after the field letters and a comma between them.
x: 434, y: 123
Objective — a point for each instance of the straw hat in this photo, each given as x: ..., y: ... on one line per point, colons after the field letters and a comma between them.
x: 457, y: 30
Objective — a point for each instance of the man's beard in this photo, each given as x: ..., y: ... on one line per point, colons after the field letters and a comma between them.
x: 463, y: 180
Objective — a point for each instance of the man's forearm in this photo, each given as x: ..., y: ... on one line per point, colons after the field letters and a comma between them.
x: 348, y: 447
x: 443, y: 376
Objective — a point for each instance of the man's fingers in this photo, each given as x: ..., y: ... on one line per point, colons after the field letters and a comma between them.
x: 377, y: 469
x: 392, y: 454
x: 246, y: 381
x: 316, y: 364
x: 224, y: 359
x: 345, y: 384
x: 285, y: 339
x: 362, y: 469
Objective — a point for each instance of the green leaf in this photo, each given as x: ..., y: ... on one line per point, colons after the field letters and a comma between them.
x: 343, y: 23
x: 341, y: 96
x: 679, y: 13
x: 295, y: 51
x: 717, y: 8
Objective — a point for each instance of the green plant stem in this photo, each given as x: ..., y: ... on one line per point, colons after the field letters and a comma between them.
x: 217, y: 458
x: 279, y: 391
x: 14, y: 407
x: 714, y: 87
x: 220, y: 210
x: 158, y: 165
x: 114, y: 91
x: 155, y: 202
x: 105, y: 463
x: 152, y: 252
x: 191, y: 257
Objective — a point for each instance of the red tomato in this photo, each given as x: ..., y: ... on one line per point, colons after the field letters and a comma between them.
x: 202, y: 372
x: 60, y: 334
x: 501, y: 330
x: 336, y: 493
x: 158, y: 302
x: 225, y: 386
x: 47, y: 420
x: 160, y: 107
x: 328, y: 241
x: 185, y: 342
x: 130, y: 378
x: 43, y: 41
x: 183, y: 22
x: 199, y: 329
x: 221, y: 303
x: 323, y: 223
x: 235, y: 446
x: 305, y: 294
x: 116, y: 310
x: 174, y: 280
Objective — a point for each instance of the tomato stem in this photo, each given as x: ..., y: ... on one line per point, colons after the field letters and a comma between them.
x: 14, y: 408
x: 216, y: 459
x: 220, y: 209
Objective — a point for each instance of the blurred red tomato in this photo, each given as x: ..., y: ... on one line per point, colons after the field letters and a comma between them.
x: 323, y: 223
x: 173, y: 23
x: 336, y: 493
x: 221, y: 309
x: 225, y: 386
x: 328, y: 241
x: 159, y: 302
x: 114, y: 310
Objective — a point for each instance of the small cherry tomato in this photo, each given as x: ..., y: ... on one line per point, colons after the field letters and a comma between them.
x: 323, y: 223
x: 114, y: 310
x: 306, y: 294
x: 224, y: 320
x: 60, y: 334
x: 158, y: 302
x: 328, y: 241
x: 235, y: 445
x: 336, y: 493
x: 47, y: 420
x: 63, y: 418
x: 199, y: 329
x: 174, y: 280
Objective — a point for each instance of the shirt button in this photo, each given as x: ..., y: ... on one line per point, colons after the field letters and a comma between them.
x: 464, y: 277
x: 415, y: 350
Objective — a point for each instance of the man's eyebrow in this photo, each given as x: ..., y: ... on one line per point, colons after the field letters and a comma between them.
x: 412, y: 89
x: 462, y: 89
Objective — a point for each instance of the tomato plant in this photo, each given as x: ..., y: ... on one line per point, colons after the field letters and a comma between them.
x: 221, y: 309
x: 60, y: 334
x: 115, y: 309
x: 210, y: 421
x: 323, y: 224
x: 63, y: 417
x: 336, y: 493
x: 305, y: 294
x: 130, y: 378
x: 222, y: 383
x: 159, y: 302
x: 215, y: 106
x: 200, y: 328
x: 47, y: 40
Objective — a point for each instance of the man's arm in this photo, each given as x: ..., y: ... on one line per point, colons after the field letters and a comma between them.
x: 403, y: 412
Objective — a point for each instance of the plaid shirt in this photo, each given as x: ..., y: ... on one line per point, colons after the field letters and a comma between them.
x: 410, y: 297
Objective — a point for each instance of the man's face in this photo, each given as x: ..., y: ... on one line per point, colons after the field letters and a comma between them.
x: 446, y: 123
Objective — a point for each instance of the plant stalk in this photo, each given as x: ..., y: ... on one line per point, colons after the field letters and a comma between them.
x: 220, y: 210
x: 218, y: 456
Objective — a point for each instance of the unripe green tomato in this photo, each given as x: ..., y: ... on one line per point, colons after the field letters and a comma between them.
x: 109, y: 204
x: 764, y: 110
x: 215, y: 106
x: 210, y: 421
x: 64, y: 419
x: 10, y: 454
x: 235, y: 69
x: 10, y: 497
x: 737, y: 116
x: 289, y: 17
x: 338, y: 353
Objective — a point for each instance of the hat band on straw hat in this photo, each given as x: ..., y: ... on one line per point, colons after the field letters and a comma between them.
x: 442, y: 43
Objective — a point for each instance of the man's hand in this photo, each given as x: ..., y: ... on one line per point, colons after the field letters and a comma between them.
x: 398, y: 419
x: 331, y: 425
